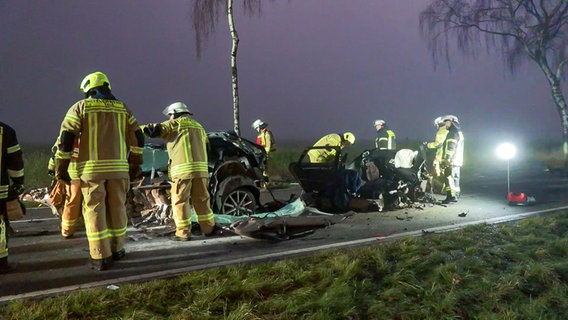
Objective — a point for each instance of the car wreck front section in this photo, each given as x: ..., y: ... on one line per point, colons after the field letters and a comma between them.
x: 236, y: 168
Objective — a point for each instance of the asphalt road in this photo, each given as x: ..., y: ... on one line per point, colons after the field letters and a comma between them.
x: 46, y: 264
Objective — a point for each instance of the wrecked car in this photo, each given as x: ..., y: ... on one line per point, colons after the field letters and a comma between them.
x: 235, y: 171
x: 388, y: 179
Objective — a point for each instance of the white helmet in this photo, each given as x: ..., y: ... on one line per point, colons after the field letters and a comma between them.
x: 176, y: 107
x: 258, y: 124
x: 438, y: 122
x: 380, y: 122
x: 451, y: 118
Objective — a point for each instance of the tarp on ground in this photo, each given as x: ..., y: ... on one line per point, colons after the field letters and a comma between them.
x: 292, y: 220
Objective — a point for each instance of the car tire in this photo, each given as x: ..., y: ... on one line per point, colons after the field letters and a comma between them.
x: 239, y: 202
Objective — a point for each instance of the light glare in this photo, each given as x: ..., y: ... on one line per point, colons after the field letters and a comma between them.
x: 506, y: 151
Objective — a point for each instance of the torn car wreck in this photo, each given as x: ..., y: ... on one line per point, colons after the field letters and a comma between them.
x: 374, y: 180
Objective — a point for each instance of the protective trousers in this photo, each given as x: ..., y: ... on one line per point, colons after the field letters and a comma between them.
x: 72, y: 208
x: 105, y: 215
x: 3, y: 231
x: 452, y: 174
x: 195, y: 189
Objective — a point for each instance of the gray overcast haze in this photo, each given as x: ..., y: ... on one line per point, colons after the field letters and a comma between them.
x: 307, y: 67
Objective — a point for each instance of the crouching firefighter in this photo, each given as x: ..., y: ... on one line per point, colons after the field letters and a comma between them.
x: 110, y: 153
x: 188, y: 169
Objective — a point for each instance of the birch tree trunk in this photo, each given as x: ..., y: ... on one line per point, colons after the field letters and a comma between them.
x: 234, y: 77
x: 554, y: 80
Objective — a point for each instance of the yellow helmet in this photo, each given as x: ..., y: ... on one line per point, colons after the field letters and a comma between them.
x: 93, y: 80
x: 348, y: 136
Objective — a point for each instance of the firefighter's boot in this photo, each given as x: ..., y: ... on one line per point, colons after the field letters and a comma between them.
x: 449, y: 198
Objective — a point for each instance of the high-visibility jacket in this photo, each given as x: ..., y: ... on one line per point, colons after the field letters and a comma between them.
x: 439, y: 142
x: 96, y: 122
x: 324, y: 155
x: 385, y: 140
x: 11, y: 160
x: 266, y: 140
x: 11, y: 168
x: 72, y: 170
x: 187, y: 147
x: 453, y: 147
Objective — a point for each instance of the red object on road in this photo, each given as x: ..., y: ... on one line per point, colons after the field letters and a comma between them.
x: 519, y: 198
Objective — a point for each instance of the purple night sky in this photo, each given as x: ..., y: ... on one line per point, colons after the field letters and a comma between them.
x: 306, y: 67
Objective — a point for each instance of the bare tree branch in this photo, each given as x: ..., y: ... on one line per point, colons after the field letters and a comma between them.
x: 520, y: 30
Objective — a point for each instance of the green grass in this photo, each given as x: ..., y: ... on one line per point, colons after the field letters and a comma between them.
x: 511, y: 271
x: 36, y: 158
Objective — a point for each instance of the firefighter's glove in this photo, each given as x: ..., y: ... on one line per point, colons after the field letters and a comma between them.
x: 446, y: 163
x: 134, y: 172
x: 151, y: 130
x: 61, y: 173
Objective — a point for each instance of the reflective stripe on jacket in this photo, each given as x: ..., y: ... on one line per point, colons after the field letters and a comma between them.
x: 187, y: 147
x: 454, y: 147
x: 439, y: 142
x: 107, y: 132
x: 11, y: 160
x: 72, y: 169
x: 386, y: 140
x: 264, y: 139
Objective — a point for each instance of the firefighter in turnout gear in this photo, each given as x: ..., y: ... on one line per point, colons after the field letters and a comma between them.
x: 266, y: 140
x: 110, y: 153
x: 264, y: 137
x: 332, y: 140
x: 386, y: 139
x: 70, y: 217
x: 188, y: 169
x: 437, y: 144
x: 11, y: 170
x: 452, y: 158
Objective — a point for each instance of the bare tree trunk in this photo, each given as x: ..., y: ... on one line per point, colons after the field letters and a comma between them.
x: 234, y: 77
x: 560, y: 102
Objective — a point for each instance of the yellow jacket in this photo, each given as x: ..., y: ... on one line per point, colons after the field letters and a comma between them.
x: 72, y: 170
x: 438, y: 142
x: 265, y: 139
x: 187, y: 147
x: 107, y: 132
x: 323, y: 155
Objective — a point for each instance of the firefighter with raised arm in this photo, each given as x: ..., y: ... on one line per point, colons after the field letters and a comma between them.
x: 11, y: 170
x: 452, y: 158
x: 110, y: 154
x: 437, y: 145
x: 188, y: 169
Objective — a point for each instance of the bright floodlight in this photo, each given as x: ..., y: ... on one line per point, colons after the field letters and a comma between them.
x: 506, y: 151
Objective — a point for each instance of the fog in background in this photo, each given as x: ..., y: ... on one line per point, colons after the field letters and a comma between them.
x: 307, y: 68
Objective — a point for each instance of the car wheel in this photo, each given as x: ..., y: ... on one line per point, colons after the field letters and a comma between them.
x: 239, y: 202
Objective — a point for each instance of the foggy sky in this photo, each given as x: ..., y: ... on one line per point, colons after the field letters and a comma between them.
x: 307, y: 67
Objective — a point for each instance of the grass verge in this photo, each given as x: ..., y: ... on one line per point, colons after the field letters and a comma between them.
x: 511, y: 271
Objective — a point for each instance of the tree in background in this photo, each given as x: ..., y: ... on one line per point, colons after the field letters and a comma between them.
x: 520, y: 30
x: 205, y: 15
